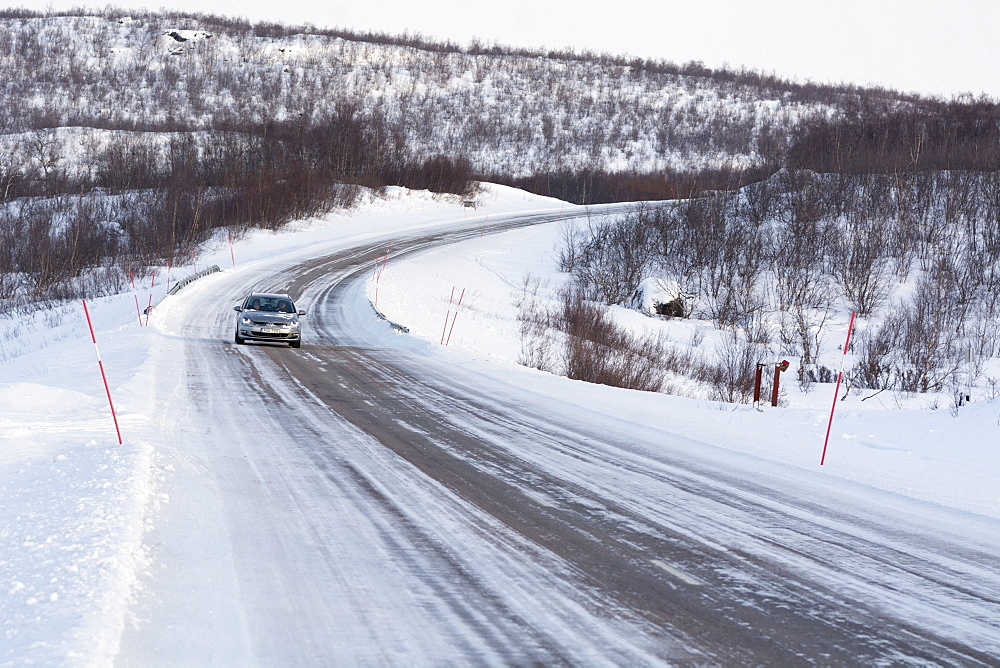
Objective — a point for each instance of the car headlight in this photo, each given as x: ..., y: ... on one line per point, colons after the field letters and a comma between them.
x: 294, y: 324
x: 247, y: 321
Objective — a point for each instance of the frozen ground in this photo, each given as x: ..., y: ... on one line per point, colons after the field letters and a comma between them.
x: 75, y: 505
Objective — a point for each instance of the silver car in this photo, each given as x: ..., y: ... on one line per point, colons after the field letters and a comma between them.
x: 268, y: 317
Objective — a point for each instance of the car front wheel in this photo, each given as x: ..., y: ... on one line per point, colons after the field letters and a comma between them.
x: 239, y: 340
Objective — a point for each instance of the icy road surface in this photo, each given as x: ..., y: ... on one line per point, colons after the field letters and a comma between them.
x: 363, y: 501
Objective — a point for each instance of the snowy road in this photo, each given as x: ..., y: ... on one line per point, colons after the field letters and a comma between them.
x: 364, y: 502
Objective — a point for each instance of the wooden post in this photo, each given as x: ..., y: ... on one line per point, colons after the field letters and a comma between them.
x: 774, y: 391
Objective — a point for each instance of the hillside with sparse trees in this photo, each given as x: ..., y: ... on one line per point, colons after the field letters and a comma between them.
x: 127, y: 139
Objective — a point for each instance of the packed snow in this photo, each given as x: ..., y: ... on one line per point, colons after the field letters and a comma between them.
x: 75, y: 505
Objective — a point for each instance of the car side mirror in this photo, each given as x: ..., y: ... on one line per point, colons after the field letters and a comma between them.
x: 302, y: 312
x: 237, y: 308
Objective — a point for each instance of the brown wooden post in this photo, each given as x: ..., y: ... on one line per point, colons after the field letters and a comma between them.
x: 756, y: 384
x: 774, y: 391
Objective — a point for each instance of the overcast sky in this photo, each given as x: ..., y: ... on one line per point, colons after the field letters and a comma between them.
x: 940, y: 48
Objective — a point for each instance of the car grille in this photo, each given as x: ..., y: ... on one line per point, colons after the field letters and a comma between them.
x: 285, y: 332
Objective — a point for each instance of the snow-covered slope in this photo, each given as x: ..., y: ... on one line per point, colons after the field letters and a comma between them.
x: 507, y: 113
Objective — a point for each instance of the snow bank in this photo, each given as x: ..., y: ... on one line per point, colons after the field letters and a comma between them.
x: 71, y: 520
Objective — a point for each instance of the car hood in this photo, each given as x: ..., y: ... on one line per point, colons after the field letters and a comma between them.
x: 271, y: 317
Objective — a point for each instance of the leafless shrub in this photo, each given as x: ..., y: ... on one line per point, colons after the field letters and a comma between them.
x: 929, y: 342
x: 919, y: 346
x: 697, y: 338
x: 876, y: 350
x: 862, y: 267
x: 615, y: 256
x: 536, y: 324
x: 571, y: 246
x: 598, y: 351
x: 731, y: 377
x: 992, y: 388
x: 806, y: 298
x: 579, y: 339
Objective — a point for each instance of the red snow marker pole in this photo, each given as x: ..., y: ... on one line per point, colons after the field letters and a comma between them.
x: 103, y: 375
x: 194, y: 258
x: 380, y: 264
x: 138, y: 313
x: 168, y: 275
x: 448, y: 340
x: 232, y: 254
x: 836, y: 392
x: 483, y: 229
x: 447, y: 314
x: 377, y: 277
x: 445, y: 330
x: 384, y: 258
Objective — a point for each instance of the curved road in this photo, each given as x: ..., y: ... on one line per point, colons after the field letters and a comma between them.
x: 363, y: 503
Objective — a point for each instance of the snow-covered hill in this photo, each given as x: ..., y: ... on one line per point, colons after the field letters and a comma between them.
x: 509, y: 113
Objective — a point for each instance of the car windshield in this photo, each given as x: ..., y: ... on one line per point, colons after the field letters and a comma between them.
x: 272, y: 304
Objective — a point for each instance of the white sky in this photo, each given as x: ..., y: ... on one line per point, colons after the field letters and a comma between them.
x: 940, y: 48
